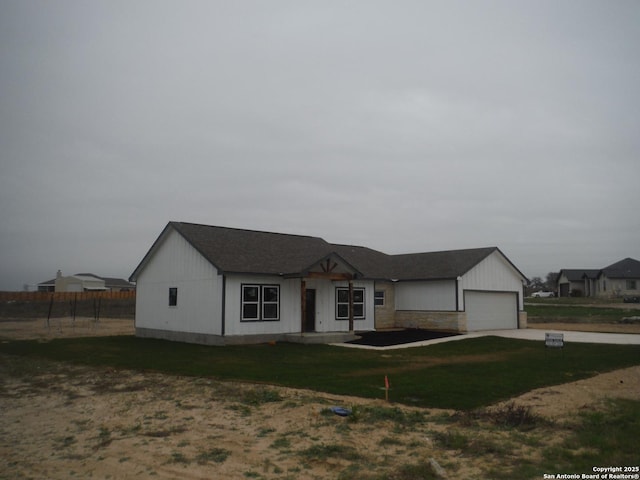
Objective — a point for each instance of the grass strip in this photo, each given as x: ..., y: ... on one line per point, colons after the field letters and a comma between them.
x: 461, y: 375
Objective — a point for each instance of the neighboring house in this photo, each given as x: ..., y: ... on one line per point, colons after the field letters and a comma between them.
x: 576, y: 282
x: 620, y: 279
x: 617, y: 280
x: 217, y: 285
x: 84, y: 282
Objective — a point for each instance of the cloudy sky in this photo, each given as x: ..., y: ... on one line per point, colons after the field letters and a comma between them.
x: 404, y: 126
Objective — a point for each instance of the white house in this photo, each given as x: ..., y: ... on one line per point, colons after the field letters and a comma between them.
x: 216, y: 285
x: 78, y: 283
x: 84, y: 282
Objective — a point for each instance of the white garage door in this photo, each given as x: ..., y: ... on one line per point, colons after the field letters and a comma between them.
x: 491, y: 310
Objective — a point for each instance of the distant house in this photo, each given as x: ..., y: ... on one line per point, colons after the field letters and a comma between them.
x: 576, y: 283
x: 84, y: 282
x: 617, y: 280
x: 216, y: 285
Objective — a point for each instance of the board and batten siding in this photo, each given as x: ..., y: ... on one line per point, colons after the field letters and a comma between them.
x: 434, y: 295
x: 327, y: 321
x: 289, y: 321
x: 290, y: 309
x: 177, y: 264
x: 494, y: 273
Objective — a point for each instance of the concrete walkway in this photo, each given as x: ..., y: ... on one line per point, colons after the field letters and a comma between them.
x: 523, y: 334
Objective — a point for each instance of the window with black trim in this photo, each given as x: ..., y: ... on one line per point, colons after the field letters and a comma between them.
x: 173, y: 296
x: 260, y: 303
x: 632, y: 285
x: 379, y: 298
x: 342, y: 303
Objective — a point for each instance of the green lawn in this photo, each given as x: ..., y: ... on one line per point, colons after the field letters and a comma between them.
x: 461, y: 375
x: 587, y: 314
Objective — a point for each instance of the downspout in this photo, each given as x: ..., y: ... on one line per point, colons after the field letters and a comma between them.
x: 351, y: 306
x: 224, y: 297
x: 303, y: 305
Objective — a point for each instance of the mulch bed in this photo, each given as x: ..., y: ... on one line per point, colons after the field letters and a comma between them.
x: 398, y: 337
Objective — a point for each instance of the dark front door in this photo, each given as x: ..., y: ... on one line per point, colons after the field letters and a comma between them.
x: 310, y: 310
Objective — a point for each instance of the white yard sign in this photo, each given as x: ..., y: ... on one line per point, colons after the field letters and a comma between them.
x: 554, y: 340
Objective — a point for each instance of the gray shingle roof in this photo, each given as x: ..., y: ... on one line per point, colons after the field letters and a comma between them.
x: 627, y: 268
x: 577, y: 275
x: 248, y: 251
x: 372, y: 263
x: 438, y: 265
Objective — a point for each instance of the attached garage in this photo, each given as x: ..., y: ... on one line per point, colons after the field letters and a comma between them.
x: 458, y: 290
x: 488, y: 310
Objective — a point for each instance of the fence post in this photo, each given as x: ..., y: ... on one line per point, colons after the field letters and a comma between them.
x: 49, y: 314
x: 75, y: 307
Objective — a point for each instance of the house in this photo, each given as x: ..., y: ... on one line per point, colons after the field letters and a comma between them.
x: 217, y: 285
x: 617, y: 280
x: 84, y: 282
x: 620, y: 279
x: 576, y: 282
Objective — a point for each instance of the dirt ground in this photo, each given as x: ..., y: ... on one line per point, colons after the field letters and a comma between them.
x: 59, y: 421
x: 26, y: 329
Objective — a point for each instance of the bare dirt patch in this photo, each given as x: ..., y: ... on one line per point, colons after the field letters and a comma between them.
x: 562, y: 401
x: 41, y: 328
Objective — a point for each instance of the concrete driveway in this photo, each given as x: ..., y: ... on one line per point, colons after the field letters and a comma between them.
x: 569, y: 336
x: 523, y: 334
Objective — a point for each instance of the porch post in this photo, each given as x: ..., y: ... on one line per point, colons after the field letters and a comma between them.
x: 350, y: 306
x: 303, y: 304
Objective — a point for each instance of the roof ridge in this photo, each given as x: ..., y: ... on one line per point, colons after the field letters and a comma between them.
x: 249, y: 230
x: 447, y: 251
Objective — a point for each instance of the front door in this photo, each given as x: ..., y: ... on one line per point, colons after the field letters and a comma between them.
x: 310, y: 310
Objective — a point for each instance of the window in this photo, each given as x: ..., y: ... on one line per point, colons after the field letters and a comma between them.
x: 379, y: 298
x: 270, y: 303
x: 260, y: 302
x: 250, y: 302
x: 631, y: 285
x: 173, y: 296
x: 342, y: 303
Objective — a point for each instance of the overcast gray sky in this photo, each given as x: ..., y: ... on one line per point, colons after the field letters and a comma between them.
x: 404, y: 126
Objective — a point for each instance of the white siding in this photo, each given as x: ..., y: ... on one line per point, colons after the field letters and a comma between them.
x: 493, y: 273
x: 439, y: 295
x: 177, y: 264
x: 326, y: 307
x: 289, y: 306
x: 290, y: 311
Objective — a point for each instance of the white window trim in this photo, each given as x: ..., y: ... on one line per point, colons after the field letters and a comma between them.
x: 260, y: 303
x: 383, y: 297
x: 264, y: 303
x: 363, y: 303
